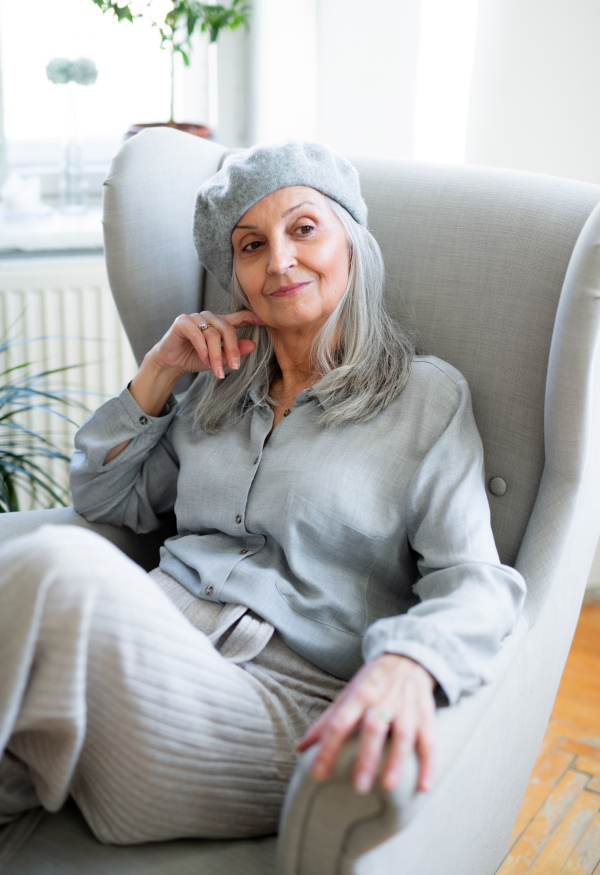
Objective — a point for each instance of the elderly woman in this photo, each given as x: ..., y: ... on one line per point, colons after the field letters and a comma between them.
x: 334, y: 567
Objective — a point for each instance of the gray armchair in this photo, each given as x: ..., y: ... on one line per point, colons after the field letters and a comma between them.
x: 499, y: 273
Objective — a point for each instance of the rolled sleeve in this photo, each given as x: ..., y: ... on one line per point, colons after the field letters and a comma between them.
x: 138, y: 486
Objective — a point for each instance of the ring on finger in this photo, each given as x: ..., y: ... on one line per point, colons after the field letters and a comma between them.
x: 384, y: 713
x: 204, y: 325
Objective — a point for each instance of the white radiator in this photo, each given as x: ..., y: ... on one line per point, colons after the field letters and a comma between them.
x: 64, y: 307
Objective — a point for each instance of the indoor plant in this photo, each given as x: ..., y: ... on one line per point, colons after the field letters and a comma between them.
x: 176, y: 26
x: 24, y: 451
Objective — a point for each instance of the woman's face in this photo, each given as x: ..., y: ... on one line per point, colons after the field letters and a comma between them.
x: 291, y: 258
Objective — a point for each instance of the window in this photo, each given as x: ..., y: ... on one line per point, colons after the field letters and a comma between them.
x: 133, y: 82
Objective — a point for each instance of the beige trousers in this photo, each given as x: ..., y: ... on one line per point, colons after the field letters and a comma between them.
x: 110, y: 692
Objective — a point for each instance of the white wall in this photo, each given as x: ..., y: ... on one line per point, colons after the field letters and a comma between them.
x: 334, y: 70
x: 283, y: 71
x: 345, y: 71
x: 535, y: 98
x: 233, y: 99
x: 367, y: 55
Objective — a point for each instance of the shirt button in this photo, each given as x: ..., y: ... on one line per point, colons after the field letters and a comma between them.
x: 238, y: 518
x: 497, y: 486
x: 209, y: 591
x: 243, y: 552
x: 143, y: 420
x: 255, y: 462
x: 287, y: 412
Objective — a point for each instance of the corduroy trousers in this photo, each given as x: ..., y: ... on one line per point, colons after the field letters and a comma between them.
x: 111, y: 693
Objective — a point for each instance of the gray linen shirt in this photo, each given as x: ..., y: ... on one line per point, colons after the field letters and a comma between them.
x: 352, y: 542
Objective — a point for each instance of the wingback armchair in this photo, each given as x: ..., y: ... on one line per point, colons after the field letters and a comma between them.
x: 497, y: 272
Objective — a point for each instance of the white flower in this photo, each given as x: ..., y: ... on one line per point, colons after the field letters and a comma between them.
x: 57, y: 70
x: 62, y: 70
x: 83, y: 71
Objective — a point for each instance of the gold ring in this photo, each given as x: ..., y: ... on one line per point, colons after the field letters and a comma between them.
x: 204, y: 326
x: 384, y: 713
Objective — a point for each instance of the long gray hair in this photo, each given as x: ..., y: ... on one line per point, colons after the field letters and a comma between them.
x: 362, y: 355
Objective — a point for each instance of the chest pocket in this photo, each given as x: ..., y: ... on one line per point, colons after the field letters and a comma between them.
x: 330, y: 564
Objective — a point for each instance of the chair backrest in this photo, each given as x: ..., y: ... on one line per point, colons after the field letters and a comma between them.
x: 475, y: 257
x: 476, y: 260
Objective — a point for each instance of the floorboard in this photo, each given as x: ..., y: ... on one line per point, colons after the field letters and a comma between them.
x: 557, y: 831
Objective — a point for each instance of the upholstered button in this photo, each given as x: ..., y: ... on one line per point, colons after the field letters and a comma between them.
x: 243, y: 552
x: 497, y: 486
x: 209, y: 591
x: 238, y: 518
x: 255, y: 462
x: 287, y: 412
x: 143, y: 420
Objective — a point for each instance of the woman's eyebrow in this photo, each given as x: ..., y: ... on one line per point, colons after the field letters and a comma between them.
x: 283, y: 215
x: 297, y: 207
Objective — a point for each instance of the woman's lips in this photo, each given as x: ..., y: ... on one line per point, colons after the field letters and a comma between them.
x: 284, y: 291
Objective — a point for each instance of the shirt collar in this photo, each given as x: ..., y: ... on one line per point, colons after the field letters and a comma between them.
x: 303, y: 397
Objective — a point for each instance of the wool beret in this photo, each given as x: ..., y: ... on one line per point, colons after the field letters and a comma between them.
x: 251, y: 174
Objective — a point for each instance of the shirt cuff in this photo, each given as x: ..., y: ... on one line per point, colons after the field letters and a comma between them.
x: 384, y: 636
x: 143, y: 420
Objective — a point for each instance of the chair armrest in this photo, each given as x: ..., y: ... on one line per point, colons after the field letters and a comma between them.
x: 319, y: 817
x: 325, y: 822
x: 143, y: 549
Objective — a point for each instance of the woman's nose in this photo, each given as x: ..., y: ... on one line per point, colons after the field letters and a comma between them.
x: 283, y: 256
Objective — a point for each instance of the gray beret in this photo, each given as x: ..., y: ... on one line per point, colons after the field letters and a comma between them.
x: 250, y: 175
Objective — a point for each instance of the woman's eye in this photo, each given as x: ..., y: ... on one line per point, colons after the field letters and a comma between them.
x: 305, y: 229
x: 251, y: 247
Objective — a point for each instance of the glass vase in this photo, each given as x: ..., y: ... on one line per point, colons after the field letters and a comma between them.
x: 74, y: 186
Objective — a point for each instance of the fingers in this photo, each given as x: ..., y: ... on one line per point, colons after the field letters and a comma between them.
x: 389, y: 697
x: 402, y: 742
x: 242, y: 318
x: 313, y: 733
x: 374, y: 733
x: 221, y: 344
x: 341, y: 723
x: 425, y: 751
x: 218, y: 344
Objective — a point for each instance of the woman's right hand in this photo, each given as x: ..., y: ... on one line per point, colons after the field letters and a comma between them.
x: 185, y: 348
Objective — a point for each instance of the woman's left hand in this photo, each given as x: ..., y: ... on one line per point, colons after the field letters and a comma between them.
x: 392, y: 695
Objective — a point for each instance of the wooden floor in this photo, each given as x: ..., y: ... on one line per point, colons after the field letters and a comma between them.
x: 558, y: 827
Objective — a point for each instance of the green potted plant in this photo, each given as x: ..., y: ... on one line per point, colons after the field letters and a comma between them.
x: 176, y: 28
x: 24, y: 452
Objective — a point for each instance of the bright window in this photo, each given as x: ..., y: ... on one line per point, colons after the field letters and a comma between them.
x: 133, y: 82
x: 446, y: 53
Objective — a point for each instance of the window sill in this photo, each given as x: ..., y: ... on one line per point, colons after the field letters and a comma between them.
x: 51, y: 232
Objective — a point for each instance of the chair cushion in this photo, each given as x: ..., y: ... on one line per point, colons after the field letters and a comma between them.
x: 64, y: 845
